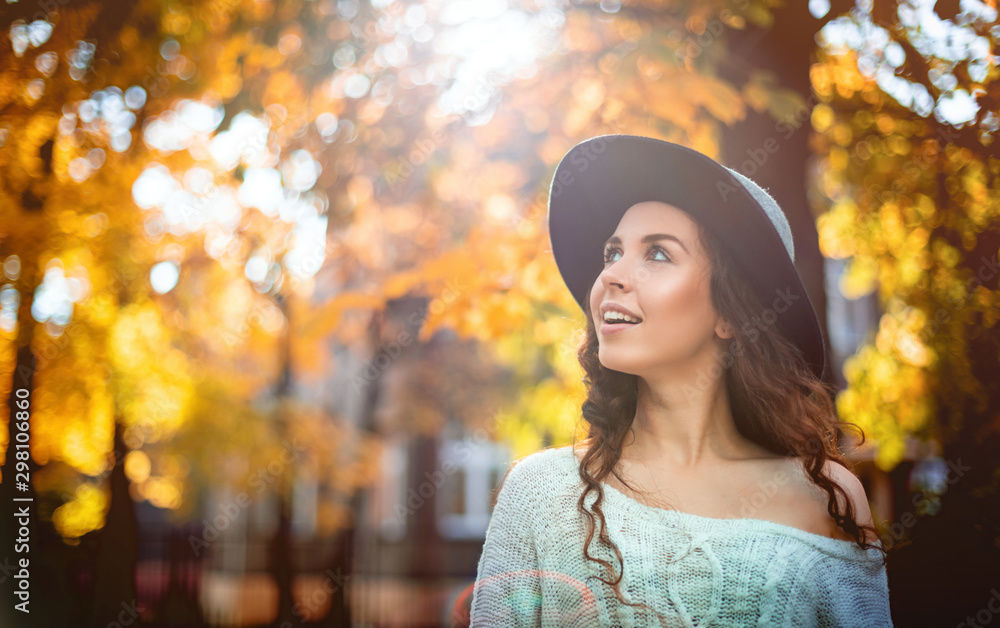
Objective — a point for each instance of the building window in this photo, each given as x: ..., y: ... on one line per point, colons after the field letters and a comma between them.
x: 388, y: 501
x: 454, y: 493
x: 472, y: 471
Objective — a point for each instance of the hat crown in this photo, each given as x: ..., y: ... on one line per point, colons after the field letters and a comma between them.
x: 771, y: 208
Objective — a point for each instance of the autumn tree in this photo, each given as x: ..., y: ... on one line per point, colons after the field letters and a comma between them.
x: 906, y: 134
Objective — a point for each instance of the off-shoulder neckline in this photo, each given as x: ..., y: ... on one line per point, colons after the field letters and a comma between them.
x: 837, y: 547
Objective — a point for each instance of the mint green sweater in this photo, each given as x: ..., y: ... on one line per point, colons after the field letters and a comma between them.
x: 692, y: 570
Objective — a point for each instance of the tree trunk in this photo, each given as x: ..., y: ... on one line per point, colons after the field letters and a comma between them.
x: 342, y: 565
x: 281, y: 553
x: 117, y: 553
x: 778, y: 157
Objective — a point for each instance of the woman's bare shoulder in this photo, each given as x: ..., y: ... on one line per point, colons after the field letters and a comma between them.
x: 816, y: 500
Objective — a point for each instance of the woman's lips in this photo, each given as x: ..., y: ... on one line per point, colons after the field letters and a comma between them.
x: 608, y: 329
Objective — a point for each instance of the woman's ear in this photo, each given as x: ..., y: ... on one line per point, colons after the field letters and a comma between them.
x: 724, y: 330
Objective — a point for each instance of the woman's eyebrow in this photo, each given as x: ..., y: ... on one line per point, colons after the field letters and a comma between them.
x: 653, y: 237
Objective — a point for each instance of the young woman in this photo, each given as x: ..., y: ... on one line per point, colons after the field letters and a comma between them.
x: 710, y: 490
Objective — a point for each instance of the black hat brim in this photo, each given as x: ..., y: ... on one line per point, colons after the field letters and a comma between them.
x: 600, y: 178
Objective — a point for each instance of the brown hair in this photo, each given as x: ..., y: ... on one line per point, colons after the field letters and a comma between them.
x: 776, y: 399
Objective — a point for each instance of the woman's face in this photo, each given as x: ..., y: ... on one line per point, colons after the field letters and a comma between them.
x: 665, y: 284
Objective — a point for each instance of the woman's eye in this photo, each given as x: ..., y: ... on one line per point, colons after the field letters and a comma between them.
x: 659, y: 251
x: 609, y: 254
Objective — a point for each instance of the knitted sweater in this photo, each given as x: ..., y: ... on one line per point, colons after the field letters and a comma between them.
x: 692, y: 570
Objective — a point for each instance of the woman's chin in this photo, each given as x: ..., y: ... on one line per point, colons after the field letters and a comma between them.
x: 622, y: 366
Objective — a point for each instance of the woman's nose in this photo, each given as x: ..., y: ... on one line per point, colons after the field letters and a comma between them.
x: 614, y: 274
x: 626, y: 273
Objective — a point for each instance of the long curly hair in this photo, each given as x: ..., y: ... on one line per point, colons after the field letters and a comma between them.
x: 776, y: 400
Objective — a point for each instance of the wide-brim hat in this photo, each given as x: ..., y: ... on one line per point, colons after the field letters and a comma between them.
x: 600, y: 178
